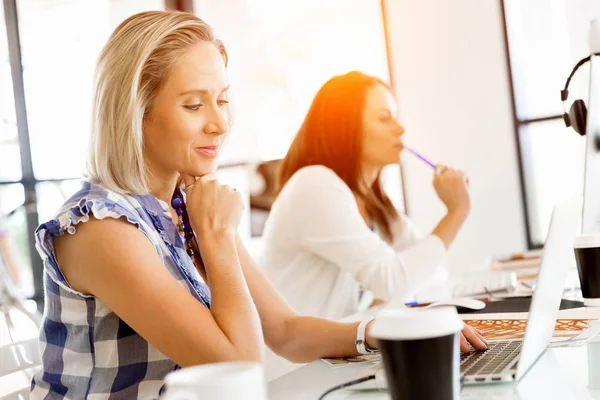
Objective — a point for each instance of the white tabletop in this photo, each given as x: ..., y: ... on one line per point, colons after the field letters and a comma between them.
x: 561, y: 373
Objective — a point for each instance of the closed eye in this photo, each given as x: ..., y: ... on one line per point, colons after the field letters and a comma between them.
x: 222, y: 102
x: 193, y: 107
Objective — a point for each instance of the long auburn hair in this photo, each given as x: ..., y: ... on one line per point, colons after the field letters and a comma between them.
x: 331, y: 135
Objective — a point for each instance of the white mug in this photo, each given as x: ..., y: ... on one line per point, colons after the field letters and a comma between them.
x: 222, y: 381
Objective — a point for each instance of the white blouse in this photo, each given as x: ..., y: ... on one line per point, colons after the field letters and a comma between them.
x: 318, y: 250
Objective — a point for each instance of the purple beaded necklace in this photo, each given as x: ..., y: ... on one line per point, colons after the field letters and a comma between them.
x: 185, y: 228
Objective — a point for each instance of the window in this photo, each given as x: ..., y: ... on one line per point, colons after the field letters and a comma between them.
x: 12, y: 194
x: 58, y: 69
x: 10, y: 168
x: 545, y: 39
x: 50, y: 47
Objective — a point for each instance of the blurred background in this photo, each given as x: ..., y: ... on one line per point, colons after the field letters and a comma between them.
x: 477, y: 83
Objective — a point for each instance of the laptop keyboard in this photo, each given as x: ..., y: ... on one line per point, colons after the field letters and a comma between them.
x: 492, y: 361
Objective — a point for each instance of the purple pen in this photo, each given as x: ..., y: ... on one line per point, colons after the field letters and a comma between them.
x: 425, y: 160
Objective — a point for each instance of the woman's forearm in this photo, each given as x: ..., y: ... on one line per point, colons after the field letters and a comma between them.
x: 311, y: 338
x: 231, y: 303
x: 449, y: 226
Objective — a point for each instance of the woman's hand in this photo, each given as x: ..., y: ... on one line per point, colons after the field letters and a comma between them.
x: 468, y: 335
x: 212, y: 207
x: 451, y: 187
x: 473, y: 336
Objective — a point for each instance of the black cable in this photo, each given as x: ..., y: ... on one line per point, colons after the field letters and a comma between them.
x: 344, y: 385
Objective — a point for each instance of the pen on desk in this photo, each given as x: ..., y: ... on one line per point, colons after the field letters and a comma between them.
x: 420, y: 157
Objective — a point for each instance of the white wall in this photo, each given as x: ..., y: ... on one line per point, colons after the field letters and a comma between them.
x: 277, y: 64
x: 451, y: 79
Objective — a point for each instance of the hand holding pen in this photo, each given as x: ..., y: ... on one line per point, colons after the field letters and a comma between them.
x: 438, y: 169
x: 450, y: 185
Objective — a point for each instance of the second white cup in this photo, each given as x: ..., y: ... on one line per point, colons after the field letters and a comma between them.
x: 222, y: 381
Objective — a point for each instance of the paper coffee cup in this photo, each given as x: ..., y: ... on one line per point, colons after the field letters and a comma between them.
x: 420, y: 351
x: 587, y: 255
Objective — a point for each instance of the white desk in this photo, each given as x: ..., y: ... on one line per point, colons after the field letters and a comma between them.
x: 561, y: 373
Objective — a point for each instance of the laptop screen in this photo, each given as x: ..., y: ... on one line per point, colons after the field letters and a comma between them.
x: 591, y: 191
x: 545, y: 302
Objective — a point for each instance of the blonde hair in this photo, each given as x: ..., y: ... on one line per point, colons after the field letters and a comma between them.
x: 131, y: 68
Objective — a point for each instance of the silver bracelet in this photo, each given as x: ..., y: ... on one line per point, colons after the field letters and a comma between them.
x: 361, y: 341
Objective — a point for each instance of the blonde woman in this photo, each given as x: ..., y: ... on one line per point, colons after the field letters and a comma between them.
x: 143, y: 274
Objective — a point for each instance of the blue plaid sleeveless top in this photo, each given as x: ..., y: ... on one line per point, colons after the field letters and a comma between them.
x: 87, y: 351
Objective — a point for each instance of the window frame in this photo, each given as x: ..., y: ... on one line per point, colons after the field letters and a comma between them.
x: 518, y: 124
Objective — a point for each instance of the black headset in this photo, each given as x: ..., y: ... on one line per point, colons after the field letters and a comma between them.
x: 576, y: 117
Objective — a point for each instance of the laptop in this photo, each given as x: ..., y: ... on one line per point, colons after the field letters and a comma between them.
x: 510, y: 360
x: 507, y: 361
